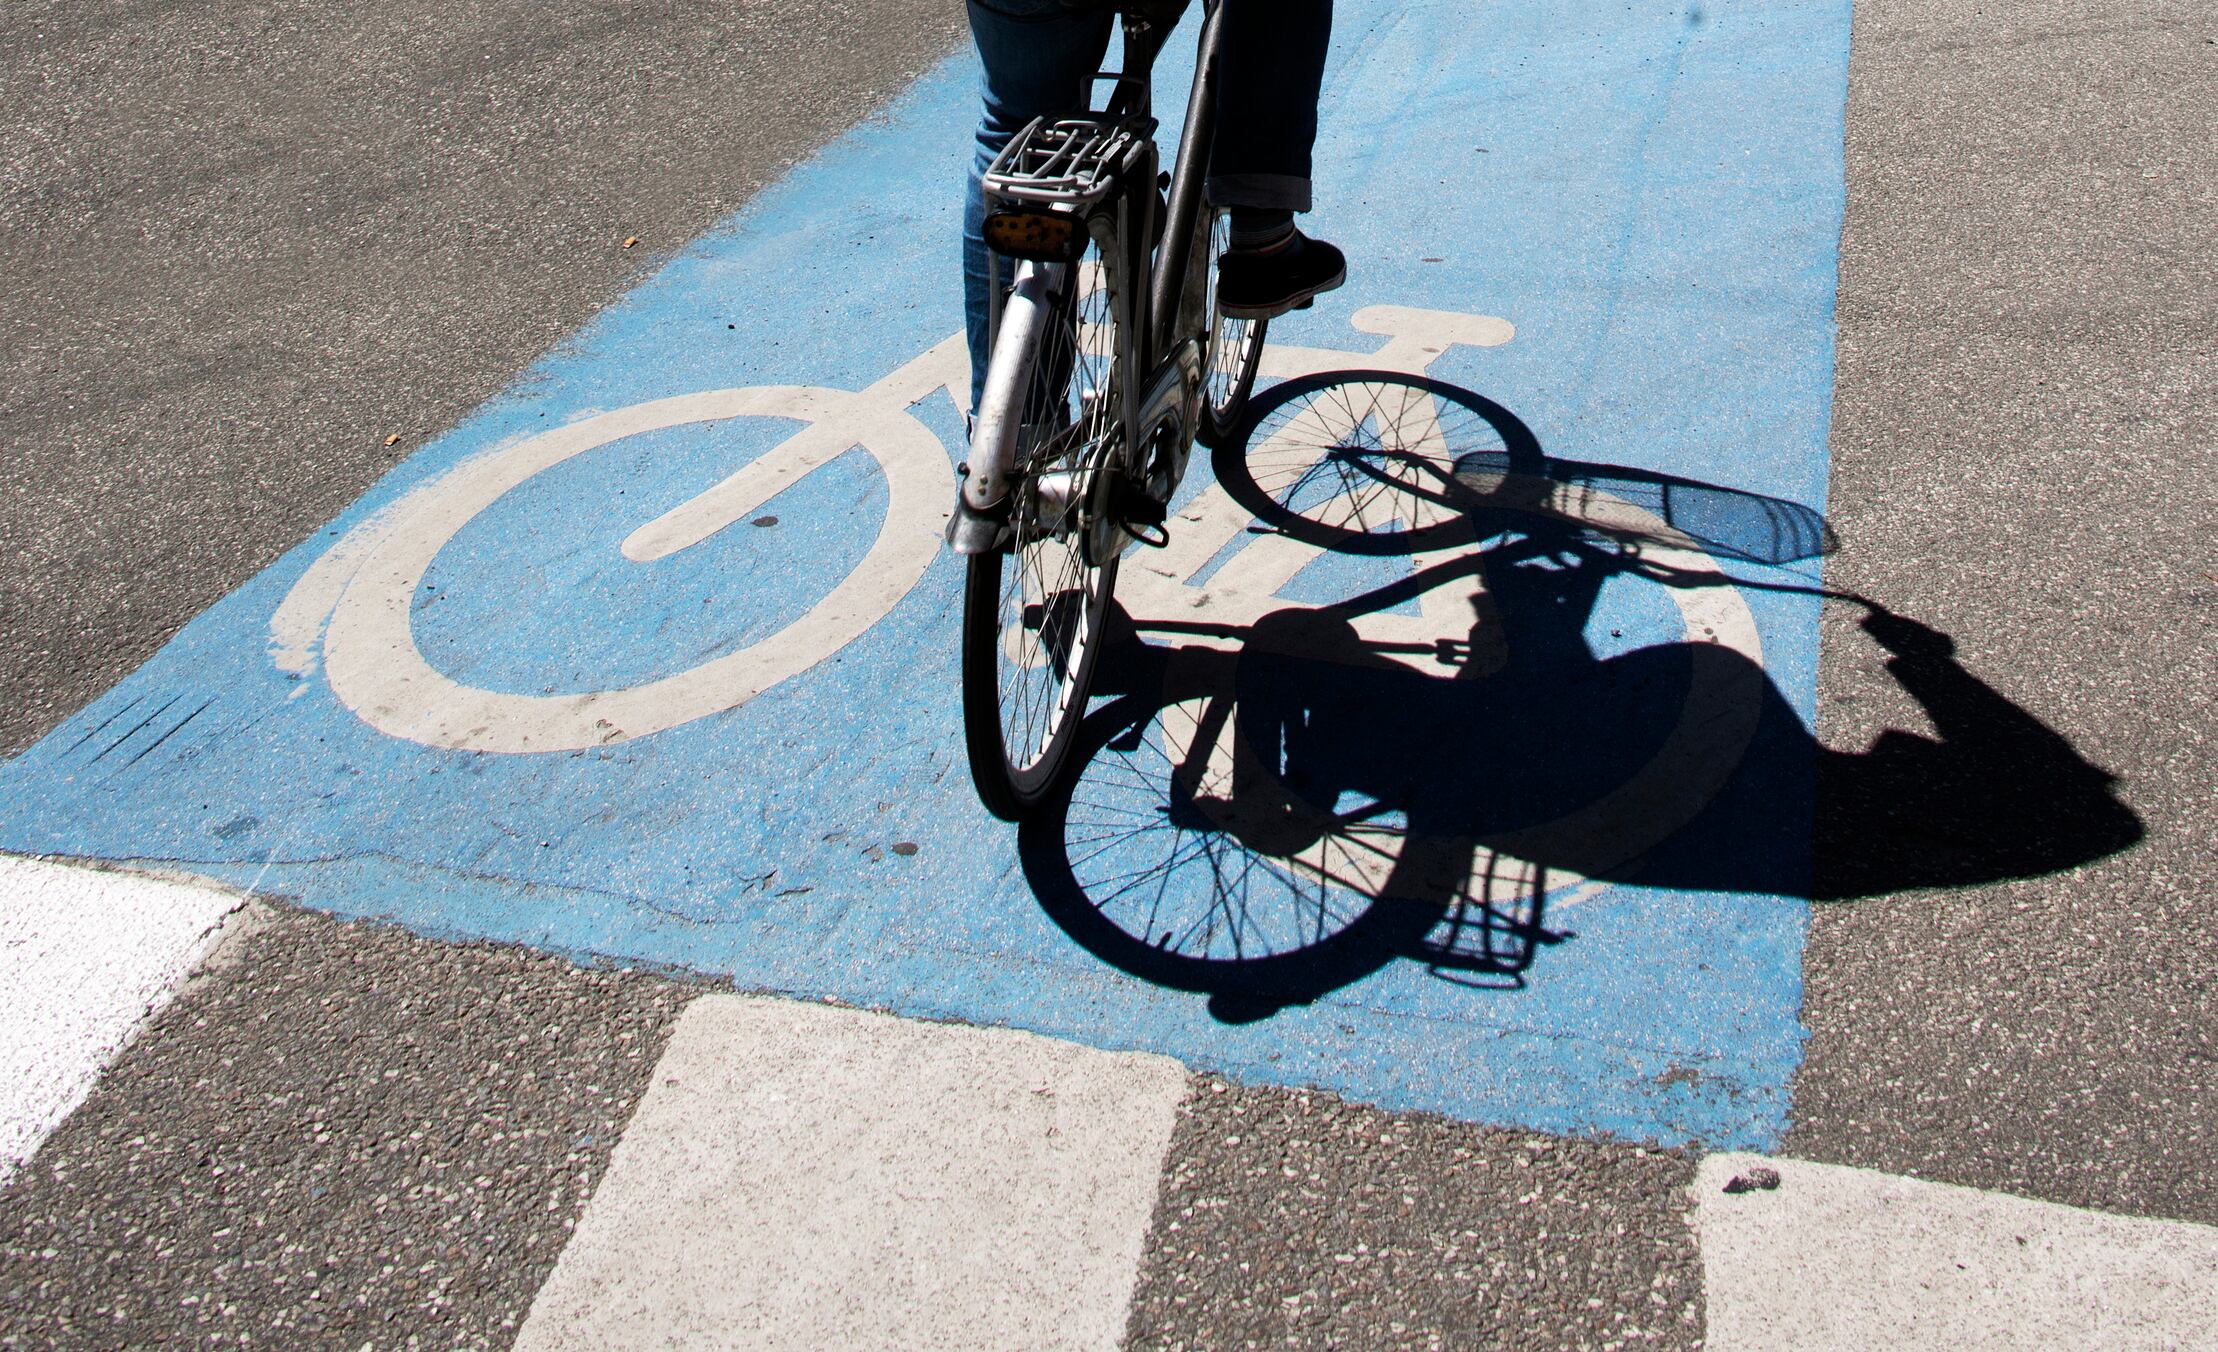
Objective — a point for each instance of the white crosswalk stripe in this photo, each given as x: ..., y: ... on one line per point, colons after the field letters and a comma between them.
x: 807, y: 1175
x: 1831, y: 1257
x: 85, y: 956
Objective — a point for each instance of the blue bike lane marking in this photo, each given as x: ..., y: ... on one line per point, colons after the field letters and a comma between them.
x: 1651, y: 196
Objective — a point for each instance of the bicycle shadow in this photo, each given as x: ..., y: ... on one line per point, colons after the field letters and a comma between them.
x: 1268, y: 815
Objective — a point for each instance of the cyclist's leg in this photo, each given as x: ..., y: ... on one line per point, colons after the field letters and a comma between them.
x: 1273, y: 69
x: 1274, y: 66
x: 1038, y: 55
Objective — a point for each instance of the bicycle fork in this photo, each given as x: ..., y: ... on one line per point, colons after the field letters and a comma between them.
x: 981, y: 508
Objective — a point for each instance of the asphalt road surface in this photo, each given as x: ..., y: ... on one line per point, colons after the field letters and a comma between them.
x: 248, y: 248
x: 2025, y: 447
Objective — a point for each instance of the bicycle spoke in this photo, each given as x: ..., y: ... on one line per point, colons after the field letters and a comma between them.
x: 1051, y: 592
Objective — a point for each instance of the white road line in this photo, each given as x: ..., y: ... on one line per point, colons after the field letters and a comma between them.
x: 85, y: 957
x: 1847, y: 1258
x: 811, y: 1177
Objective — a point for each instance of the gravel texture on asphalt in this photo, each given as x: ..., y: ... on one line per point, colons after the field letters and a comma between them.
x: 338, y: 1135
x: 247, y: 243
x: 1292, y: 1219
x: 2025, y: 448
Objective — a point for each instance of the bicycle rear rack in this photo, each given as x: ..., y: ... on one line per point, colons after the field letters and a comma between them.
x: 1070, y: 162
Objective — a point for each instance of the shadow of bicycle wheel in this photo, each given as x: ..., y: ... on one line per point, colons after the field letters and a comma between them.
x: 1438, y: 762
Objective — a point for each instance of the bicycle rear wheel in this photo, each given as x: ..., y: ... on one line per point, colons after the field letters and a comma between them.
x: 1033, y: 614
x: 1235, y: 350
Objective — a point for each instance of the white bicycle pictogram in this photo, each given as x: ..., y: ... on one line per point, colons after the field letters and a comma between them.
x: 354, y: 605
x: 352, y: 610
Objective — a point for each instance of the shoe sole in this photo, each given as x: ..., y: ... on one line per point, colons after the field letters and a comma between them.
x: 1300, y: 300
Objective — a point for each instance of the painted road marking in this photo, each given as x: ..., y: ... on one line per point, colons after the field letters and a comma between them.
x: 367, y: 588
x: 86, y: 957
x: 806, y: 1175
x: 353, y: 611
x: 1848, y: 1258
x: 753, y: 764
x: 809, y: 1177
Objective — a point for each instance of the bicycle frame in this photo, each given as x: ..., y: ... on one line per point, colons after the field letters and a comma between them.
x: 1165, y: 376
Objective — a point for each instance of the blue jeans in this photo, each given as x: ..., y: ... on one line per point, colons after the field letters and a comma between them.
x: 1040, y: 56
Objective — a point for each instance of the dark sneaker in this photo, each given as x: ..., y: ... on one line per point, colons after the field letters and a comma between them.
x: 1267, y: 285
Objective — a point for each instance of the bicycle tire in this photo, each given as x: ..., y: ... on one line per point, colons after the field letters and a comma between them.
x: 1030, y: 639
x: 1008, y: 790
x: 1234, y: 353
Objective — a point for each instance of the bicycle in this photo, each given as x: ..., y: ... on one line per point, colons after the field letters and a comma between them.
x: 1109, y: 359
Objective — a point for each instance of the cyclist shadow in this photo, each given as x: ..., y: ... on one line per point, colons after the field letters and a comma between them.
x: 1266, y: 816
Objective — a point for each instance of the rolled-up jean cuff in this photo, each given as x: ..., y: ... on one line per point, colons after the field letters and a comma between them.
x: 1267, y: 192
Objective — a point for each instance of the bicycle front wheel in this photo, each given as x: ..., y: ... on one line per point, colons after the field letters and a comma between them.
x: 1235, y: 351
x: 1033, y: 614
